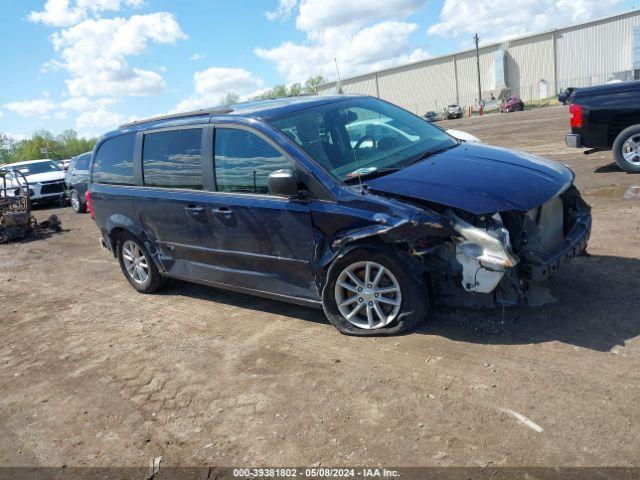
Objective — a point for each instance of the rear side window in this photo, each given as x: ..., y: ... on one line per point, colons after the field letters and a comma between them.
x: 173, y: 159
x: 244, y: 161
x: 114, y: 161
x: 82, y: 162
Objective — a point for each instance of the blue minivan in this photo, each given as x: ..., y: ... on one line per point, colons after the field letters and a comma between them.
x: 347, y: 203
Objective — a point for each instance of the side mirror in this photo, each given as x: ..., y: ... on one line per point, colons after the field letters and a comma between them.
x: 283, y: 183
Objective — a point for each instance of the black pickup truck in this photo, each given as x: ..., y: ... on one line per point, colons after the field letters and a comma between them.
x: 607, y: 117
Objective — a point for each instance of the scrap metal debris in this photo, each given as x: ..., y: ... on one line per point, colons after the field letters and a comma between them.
x: 524, y: 420
x: 16, y: 221
x: 632, y: 193
x: 154, y: 467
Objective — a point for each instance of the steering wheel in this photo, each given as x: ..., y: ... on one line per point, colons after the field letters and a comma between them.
x: 362, y: 140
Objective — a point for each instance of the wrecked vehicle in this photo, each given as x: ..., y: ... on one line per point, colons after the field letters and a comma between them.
x: 16, y: 221
x: 307, y: 200
x: 45, y: 177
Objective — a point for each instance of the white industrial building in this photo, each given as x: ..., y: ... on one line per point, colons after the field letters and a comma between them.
x: 534, y: 67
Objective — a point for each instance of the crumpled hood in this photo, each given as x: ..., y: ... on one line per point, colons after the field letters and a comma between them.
x: 479, y: 179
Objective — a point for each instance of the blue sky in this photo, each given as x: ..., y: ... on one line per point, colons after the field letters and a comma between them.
x: 91, y: 64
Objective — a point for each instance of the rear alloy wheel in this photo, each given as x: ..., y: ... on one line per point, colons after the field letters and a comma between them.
x: 371, y: 292
x: 137, y: 265
x: 76, y: 203
x: 626, y: 149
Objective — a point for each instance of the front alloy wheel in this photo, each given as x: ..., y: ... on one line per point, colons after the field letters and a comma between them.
x: 374, y: 290
x: 368, y: 295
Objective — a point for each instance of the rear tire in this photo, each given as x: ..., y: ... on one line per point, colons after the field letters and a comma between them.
x: 76, y: 202
x: 626, y: 149
x: 137, y: 264
x: 386, y: 303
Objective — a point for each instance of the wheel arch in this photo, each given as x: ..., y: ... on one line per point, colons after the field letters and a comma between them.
x: 417, y: 269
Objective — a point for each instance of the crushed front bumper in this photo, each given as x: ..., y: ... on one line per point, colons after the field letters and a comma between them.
x: 540, y: 267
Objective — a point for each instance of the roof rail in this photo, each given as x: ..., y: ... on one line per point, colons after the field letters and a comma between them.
x: 203, y: 111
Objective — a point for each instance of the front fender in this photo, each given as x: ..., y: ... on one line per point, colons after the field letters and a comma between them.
x: 397, y: 234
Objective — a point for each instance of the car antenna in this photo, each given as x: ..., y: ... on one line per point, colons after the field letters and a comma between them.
x: 358, y: 172
x: 339, y: 85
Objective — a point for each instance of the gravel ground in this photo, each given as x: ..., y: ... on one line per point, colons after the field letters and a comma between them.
x: 94, y: 374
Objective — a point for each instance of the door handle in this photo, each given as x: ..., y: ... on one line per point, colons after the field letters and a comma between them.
x: 194, y: 210
x: 222, y: 211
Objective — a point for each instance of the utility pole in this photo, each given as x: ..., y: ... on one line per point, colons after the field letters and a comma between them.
x: 476, y: 39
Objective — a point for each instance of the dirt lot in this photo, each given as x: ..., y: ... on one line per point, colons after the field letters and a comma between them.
x: 93, y: 373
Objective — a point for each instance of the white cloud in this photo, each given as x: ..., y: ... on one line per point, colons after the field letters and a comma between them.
x: 95, y: 52
x: 284, y: 10
x: 16, y: 137
x: 501, y: 19
x: 101, y: 118
x: 85, y: 104
x: 212, y: 85
x: 64, y: 13
x: 197, y: 56
x: 356, y: 50
x: 363, y: 35
x: 318, y: 14
x: 32, y: 108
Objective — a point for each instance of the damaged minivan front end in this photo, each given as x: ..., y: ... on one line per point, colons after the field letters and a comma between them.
x: 498, y: 260
x: 491, y: 260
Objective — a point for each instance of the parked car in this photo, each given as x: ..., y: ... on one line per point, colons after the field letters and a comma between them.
x: 462, y: 136
x: 564, y: 96
x: 431, y: 117
x: 45, y: 177
x: 77, y: 180
x: 377, y: 130
x: 295, y: 207
x: 607, y: 117
x: 512, y: 104
x: 453, y: 111
x: 64, y: 164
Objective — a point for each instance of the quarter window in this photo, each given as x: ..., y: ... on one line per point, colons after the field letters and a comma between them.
x: 114, y: 161
x: 173, y: 159
x: 243, y: 161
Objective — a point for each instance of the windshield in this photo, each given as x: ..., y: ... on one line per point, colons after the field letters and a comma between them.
x: 39, y: 167
x: 362, y: 135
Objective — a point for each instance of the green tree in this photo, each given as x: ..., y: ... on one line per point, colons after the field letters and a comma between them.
x: 43, y: 144
x: 310, y: 88
x: 311, y: 85
x: 279, y: 91
x: 231, y: 98
x: 6, y: 148
x: 295, y: 90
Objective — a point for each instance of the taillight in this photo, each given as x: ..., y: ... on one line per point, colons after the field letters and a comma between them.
x: 576, y: 115
x: 87, y: 197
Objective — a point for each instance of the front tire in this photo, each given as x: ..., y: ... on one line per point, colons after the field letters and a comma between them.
x: 137, y: 265
x: 372, y: 293
x: 626, y: 149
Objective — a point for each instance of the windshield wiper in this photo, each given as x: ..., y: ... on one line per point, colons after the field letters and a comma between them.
x: 378, y: 172
x: 427, y: 154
